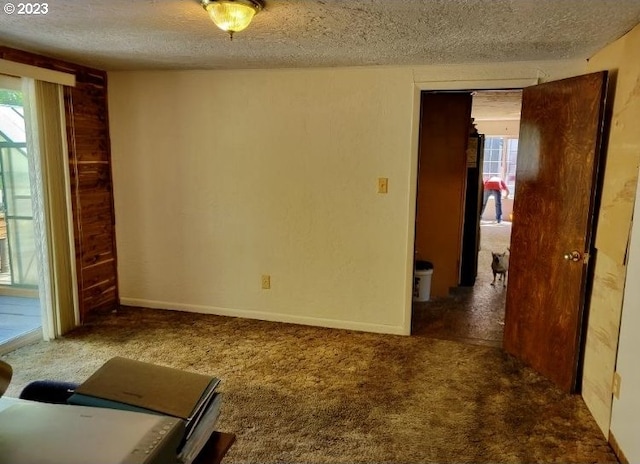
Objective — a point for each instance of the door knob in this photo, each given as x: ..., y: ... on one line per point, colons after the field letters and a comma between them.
x: 574, y: 256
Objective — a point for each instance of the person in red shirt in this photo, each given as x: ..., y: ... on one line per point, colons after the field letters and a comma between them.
x: 494, y: 185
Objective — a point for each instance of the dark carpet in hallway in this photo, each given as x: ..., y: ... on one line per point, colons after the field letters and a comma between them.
x: 475, y: 314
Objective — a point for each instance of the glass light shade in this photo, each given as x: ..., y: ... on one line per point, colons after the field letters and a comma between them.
x: 230, y: 16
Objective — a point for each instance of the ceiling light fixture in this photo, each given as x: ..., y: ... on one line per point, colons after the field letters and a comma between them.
x: 232, y: 15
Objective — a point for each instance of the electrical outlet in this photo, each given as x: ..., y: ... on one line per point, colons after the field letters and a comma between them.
x: 383, y: 184
x: 615, y: 385
x: 266, y: 282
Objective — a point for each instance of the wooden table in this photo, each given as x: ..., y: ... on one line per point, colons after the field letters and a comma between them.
x: 216, y: 448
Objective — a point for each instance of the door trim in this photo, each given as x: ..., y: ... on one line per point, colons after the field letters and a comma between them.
x: 471, y: 85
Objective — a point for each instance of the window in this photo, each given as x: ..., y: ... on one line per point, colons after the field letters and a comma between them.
x: 492, y: 157
x: 510, y: 168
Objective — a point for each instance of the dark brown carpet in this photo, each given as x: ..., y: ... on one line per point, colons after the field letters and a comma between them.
x: 470, y: 315
x: 302, y: 394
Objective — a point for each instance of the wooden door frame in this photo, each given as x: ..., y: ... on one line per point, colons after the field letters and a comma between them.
x: 418, y: 88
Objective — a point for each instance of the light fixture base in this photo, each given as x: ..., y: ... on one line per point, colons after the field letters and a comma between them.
x: 256, y: 4
x: 232, y: 15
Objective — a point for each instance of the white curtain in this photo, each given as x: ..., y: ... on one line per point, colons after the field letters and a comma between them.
x: 49, y: 174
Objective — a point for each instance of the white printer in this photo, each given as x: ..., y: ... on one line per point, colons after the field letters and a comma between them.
x: 33, y: 432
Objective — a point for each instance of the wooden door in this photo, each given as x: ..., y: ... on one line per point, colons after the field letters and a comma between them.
x: 444, y: 132
x: 554, y: 211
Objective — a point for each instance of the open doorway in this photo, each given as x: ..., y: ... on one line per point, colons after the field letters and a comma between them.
x: 472, y: 310
x: 20, y: 311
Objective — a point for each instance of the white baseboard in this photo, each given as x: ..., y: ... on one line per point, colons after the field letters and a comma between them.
x: 265, y: 316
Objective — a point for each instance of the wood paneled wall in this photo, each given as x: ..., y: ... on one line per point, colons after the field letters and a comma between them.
x: 91, y: 187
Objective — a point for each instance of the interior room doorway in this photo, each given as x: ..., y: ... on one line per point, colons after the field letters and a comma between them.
x: 473, y: 311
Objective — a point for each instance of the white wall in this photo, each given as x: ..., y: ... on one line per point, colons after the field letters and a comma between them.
x: 220, y: 177
x: 625, y: 414
x: 499, y: 128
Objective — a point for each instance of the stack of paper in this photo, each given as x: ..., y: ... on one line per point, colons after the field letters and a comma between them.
x: 144, y: 387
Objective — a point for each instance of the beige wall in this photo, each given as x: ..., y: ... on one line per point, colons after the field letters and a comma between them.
x: 221, y: 177
x: 499, y: 128
x: 626, y: 409
x: 612, y: 237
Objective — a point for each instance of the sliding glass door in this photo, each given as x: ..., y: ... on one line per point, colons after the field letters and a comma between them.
x: 17, y: 240
x: 20, y: 312
x: 19, y: 245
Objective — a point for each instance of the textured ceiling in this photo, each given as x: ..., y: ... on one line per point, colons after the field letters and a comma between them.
x: 177, y: 34
x: 491, y: 105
